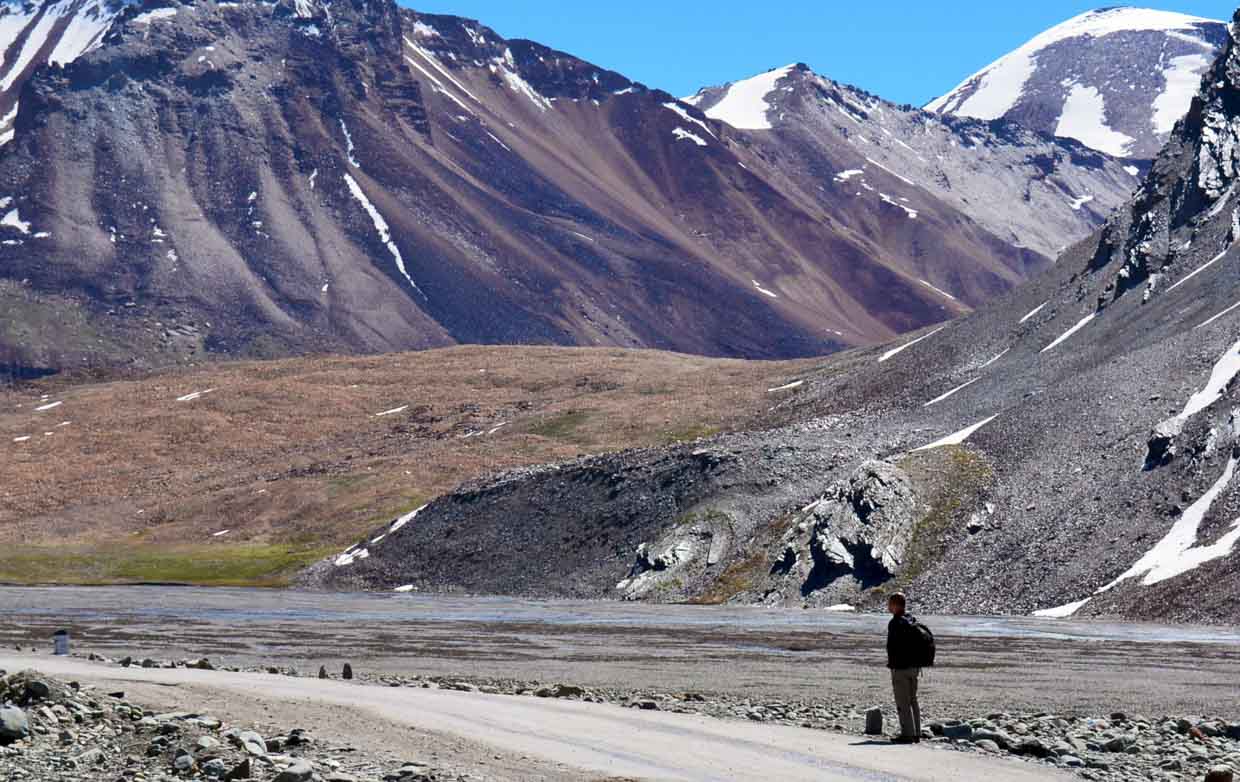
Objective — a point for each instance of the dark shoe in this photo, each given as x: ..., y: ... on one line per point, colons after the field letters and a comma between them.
x: 904, y: 740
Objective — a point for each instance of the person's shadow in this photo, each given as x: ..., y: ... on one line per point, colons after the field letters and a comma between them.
x: 875, y: 743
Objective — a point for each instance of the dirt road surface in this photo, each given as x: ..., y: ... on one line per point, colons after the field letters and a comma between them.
x: 597, y: 740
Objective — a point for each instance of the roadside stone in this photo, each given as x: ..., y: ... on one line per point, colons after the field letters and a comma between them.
x: 215, y: 768
x: 1220, y: 774
x: 323, y: 672
x: 999, y: 738
x: 241, y: 771
x: 206, y: 743
x: 299, y: 770
x: 37, y: 690
x: 957, y: 731
x: 1033, y: 748
x: 874, y: 722
x: 252, y: 743
x: 347, y: 672
x: 183, y: 761
x: 14, y: 725
x: 987, y: 745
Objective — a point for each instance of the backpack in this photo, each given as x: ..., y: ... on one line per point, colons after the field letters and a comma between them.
x: 924, y: 650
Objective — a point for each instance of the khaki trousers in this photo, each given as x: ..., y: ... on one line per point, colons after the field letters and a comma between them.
x: 904, y: 684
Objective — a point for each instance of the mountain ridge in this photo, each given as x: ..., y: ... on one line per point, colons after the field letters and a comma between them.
x: 278, y: 179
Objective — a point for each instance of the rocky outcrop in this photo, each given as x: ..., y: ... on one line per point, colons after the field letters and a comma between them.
x: 856, y: 533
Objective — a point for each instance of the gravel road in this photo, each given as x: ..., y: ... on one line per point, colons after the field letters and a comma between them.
x: 594, y: 738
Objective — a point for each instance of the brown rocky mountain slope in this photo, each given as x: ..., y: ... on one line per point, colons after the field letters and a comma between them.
x: 255, y: 179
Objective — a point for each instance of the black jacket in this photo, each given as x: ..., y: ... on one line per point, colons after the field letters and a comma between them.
x: 903, y: 642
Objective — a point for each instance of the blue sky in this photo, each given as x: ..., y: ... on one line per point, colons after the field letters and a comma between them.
x: 907, y: 51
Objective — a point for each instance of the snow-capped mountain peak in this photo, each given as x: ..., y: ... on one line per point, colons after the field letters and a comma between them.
x: 1091, y: 78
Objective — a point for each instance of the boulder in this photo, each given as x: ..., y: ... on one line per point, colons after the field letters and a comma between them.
x: 13, y: 725
x: 957, y: 731
x: 1220, y: 774
x: 241, y: 771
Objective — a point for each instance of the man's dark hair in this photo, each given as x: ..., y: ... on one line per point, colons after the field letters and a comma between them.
x: 898, y: 598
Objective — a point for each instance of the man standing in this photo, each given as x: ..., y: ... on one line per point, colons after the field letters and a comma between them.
x: 904, y: 658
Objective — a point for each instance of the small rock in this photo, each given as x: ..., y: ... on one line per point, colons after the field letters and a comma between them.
x: 298, y: 771
x: 347, y: 673
x: 240, y: 771
x: 183, y: 761
x: 1220, y: 774
x: 252, y: 743
x: 215, y: 768
x: 88, y: 758
x: 874, y: 722
x: 323, y: 672
x: 37, y: 690
x: 206, y: 743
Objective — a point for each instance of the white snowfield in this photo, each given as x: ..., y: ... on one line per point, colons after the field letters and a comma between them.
x: 1084, y: 118
x: 597, y: 740
x: 744, y: 106
x: 1004, y: 79
x: 999, y: 87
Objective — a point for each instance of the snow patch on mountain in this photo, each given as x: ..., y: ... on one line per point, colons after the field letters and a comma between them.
x: 1183, y: 78
x: 683, y: 135
x: 1084, y: 118
x: 957, y: 438
x: 381, y: 225
x: 687, y: 117
x: 744, y: 105
x: 1064, y: 337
